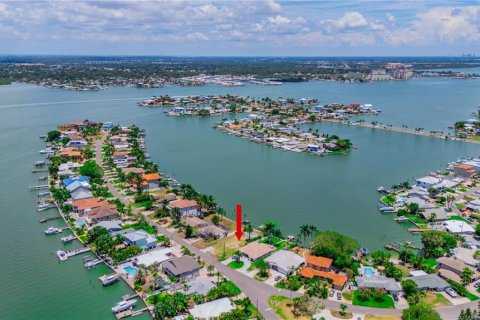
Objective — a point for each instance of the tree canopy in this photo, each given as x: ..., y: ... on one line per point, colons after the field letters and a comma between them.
x: 336, y: 246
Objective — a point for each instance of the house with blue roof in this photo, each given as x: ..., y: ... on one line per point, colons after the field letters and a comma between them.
x: 68, y: 181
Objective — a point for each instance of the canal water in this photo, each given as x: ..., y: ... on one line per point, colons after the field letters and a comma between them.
x: 332, y: 192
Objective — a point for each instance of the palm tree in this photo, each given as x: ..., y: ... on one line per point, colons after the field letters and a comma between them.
x: 218, y: 274
x: 269, y: 228
x: 343, y: 308
x: 249, y: 229
x: 185, y: 288
x: 304, y: 231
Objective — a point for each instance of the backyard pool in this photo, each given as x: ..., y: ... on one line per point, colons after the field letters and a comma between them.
x: 368, y: 271
x: 131, y: 271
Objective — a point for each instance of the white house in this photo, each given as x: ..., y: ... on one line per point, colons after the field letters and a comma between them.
x: 428, y: 182
x: 188, y: 208
x: 458, y: 227
x: 212, y: 309
x: 284, y: 261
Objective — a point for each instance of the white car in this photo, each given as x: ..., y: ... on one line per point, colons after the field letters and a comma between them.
x: 452, y: 293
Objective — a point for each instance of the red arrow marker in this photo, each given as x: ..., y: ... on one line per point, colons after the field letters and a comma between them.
x: 239, y: 232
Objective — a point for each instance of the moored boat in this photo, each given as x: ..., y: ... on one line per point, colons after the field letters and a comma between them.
x: 123, y: 305
x: 52, y: 230
x: 109, y: 279
x: 62, y: 255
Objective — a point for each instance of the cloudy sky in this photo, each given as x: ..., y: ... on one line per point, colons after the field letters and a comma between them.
x: 254, y: 28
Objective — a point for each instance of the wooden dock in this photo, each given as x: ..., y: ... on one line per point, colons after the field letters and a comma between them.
x: 49, y: 219
x: 392, y: 247
x: 74, y: 252
x: 418, y: 230
x: 39, y: 170
x: 39, y: 187
x: 130, y: 313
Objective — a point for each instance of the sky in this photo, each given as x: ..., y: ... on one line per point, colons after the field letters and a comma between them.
x: 241, y: 28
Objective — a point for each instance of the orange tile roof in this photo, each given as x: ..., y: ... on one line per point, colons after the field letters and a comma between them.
x: 89, y: 203
x: 151, y: 176
x: 70, y: 153
x: 235, y: 126
x: 338, y: 279
x: 320, y: 262
x: 182, y: 204
x: 464, y: 166
x: 76, y: 137
x: 121, y: 153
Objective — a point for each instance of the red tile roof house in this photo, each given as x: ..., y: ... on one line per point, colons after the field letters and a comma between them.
x: 82, y: 206
x: 338, y: 280
x: 151, y: 181
x: 188, y: 208
x: 319, y: 263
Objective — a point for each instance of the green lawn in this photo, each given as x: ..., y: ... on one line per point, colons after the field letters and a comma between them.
x: 137, y: 226
x: 460, y: 206
x: 430, y: 262
x: 387, y: 303
x: 236, y: 264
x: 458, y: 218
x: 415, y: 218
x: 472, y: 297
x: 389, y: 199
x: 347, y: 296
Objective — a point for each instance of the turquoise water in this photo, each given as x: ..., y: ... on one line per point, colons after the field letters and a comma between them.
x: 368, y: 272
x: 333, y: 192
x: 131, y: 271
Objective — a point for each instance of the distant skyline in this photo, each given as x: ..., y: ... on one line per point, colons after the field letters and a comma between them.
x: 241, y: 28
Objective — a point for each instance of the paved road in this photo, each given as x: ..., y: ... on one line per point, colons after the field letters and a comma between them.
x: 257, y: 291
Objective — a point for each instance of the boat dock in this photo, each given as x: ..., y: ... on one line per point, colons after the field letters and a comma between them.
x: 392, y: 247
x: 39, y: 187
x: 418, y: 230
x: 90, y: 263
x: 129, y: 296
x: 39, y: 170
x: 130, y: 313
x: 75, y: 252
x: 49, y: 219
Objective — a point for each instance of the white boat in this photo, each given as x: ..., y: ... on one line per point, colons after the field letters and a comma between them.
x: 62, y: 255
x: 123, y: 305
x: 53, y: 230
x: 40, y: 163
x: 381, y: 189
x: 43, y: 206
x: 42, y: 151
x: 387, y: 209
x: 109, y: 279
x: 45, y: 193
x: 68, y: 239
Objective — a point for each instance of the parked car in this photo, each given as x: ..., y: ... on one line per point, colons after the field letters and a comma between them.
x: 277, y: 278
x: 452, y: 293
x: 332, y: 292
x: 339, y: 296
x: 395, y: 298
x: 477, y: 284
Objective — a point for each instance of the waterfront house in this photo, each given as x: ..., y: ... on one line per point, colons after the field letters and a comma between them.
x: 319, y: 263
x: 429, y: 282
x: 379, y: 282
x: 284, y: 261
x: 418, y: 192
x: 422, y: 204
x: 81, y: 193
x: 256, y: 250
x: 111, y: 226
x: 70, y: 154
x: 212, y: 309
x: 458, y: 227
x: 69, y: 166
x: 140, y: 238
x: 78, y: 184
x: 182, y: 268
x: 313, y: 148
x: 434, y: 214
x: 69, y: 181
x: 76, y: 143
x: 199, y: 286
x: 159, y: 198
x: 82, y: 206
x: 154, y: 257
x: 151, y: 181
x: 464, y: 170
x: 212, y: 231
x: 104, y: 213
x: 186, y: 207
x: 338, y: 280
x: 428, y: 182
x: 107, y: 125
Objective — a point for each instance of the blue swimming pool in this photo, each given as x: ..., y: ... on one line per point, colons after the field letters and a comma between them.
x: 80, y: 223
x: 368, y: 272
x: 131, y: 271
